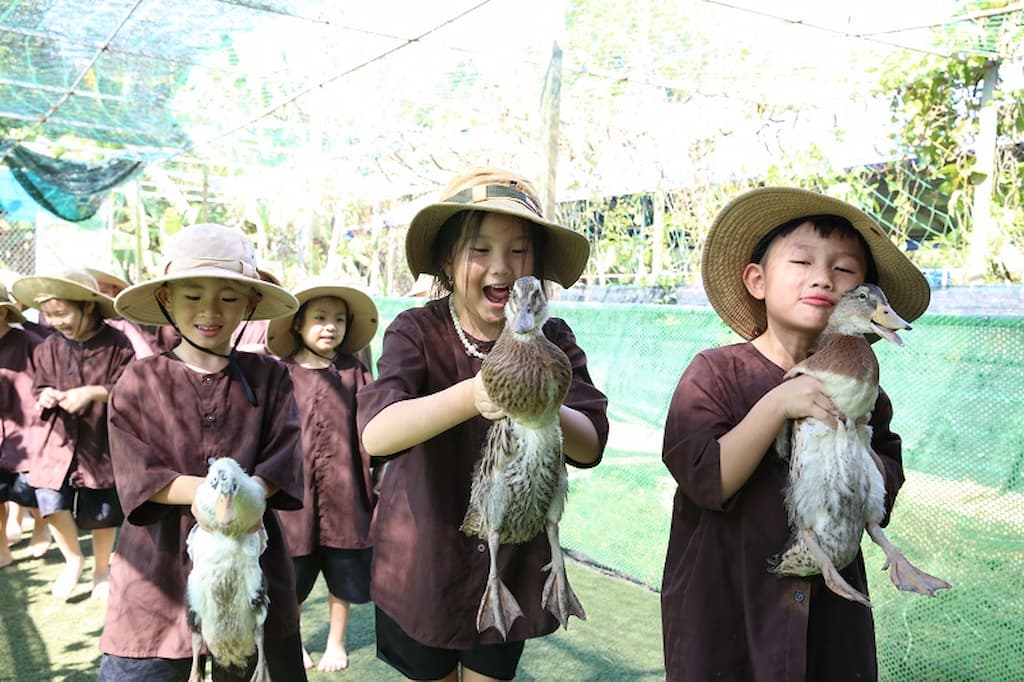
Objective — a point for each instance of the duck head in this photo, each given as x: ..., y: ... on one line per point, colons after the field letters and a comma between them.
x: 865, y: 310
x: 223, y: 478
x: 527, y: 308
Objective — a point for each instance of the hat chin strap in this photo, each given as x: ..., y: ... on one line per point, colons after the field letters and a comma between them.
x: 231, y: 356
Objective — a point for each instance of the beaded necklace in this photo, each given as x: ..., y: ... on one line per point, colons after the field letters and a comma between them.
x: 471, y: 349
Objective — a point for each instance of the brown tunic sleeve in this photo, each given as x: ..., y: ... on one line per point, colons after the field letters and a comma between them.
x: 427, y: 574
x: 20, y: 425
x: 752, y: 624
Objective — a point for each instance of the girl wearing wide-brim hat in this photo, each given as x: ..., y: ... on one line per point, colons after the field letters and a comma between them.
x: 169, y: 415
x: 775, y: 262
x: 74, y: 372
x: 486, y: 231
x: 111, y: 285
x: 330, y: 534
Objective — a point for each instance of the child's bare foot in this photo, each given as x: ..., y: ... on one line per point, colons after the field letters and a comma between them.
x: 307, y: 660
x: 64, y: 585
x: 100, y: 587
x: 39, y: 543
x: 13, y: 529
x: 6, y: 559
x: 335, y: 658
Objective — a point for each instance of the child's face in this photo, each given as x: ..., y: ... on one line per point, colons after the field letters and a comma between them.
x: 323, y: 324
x: 108, y: 289
x: 72, y: 319
x: 802, y: 277
x: 483, y: 271
x: 207, y: 309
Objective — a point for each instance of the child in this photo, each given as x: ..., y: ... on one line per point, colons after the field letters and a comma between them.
x: 111, y: 285
x: 169, y: 415
x: 775, y: 262
x: 20, y: 428
x: 75, y: 368
x: 424, y: 410
x: 331, y: 531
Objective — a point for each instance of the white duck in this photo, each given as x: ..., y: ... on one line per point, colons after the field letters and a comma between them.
x: 835, y: 490
x: 226, y: 595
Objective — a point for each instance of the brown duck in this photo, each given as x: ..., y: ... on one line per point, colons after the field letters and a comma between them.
x: 520, y: 482
x: 835, y: 490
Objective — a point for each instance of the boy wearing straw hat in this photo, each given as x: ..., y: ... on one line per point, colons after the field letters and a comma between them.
x: 20, y: 427
x: 330, y: 534
x: 170, y: 414
x: 775, y: 262
x: 111, y: 285
x: 75, y: 369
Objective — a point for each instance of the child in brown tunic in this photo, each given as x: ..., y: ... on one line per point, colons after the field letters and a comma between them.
x: 425, y: 410
x: 20, y: 429
x: 75, y: 369
x: 169, y: 415
x: 775, y: 262
x: 111, y: 285
x: 330, y: 534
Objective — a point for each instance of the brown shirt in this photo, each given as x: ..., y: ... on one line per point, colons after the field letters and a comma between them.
x: 337, y: 499
x: 166, y: 421
x: 20, y: 425
x: 75, y: 446
x: 724, y: 615
x: 427, y: 574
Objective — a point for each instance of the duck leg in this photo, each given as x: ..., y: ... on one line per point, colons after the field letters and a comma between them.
x: 558, y: 597
x: 904, y: 575
x: 260, y: 673
x: 196, y: 673
x: 498, y: 606
x: 835, y: 582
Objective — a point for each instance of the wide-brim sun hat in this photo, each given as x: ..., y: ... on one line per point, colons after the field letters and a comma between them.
x: 205, y: 250
x: 107, y: 277
x: 13, y: 314
x: 362, y: 318
x: 495, y: 191
x: 70, y: 285
x: 748, y: 218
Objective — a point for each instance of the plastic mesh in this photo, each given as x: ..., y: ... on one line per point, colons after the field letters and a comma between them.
x: 958, y: 391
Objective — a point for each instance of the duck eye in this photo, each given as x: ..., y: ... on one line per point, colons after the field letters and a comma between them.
x: 863, y: 296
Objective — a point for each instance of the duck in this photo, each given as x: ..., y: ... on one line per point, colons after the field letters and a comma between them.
x: 226, y: 592
x: 520, y: 484
x: 835, y: 490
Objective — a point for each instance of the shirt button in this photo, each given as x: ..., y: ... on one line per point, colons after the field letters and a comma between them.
x: 319, y: 425
x: 208, y: 378
x: 481, y: 547
x: 799, y: 596
x: 209, y: 418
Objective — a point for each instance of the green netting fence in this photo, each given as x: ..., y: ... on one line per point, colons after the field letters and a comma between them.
x: 958, y: 391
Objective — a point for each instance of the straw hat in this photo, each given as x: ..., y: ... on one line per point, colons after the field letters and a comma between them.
x: 749, y: 217
x: 362, y: 318
x: 495, y: 191
x: 205, y: 250
x: 106, y: 277
x: 71, y: 285
x: 13, y: 314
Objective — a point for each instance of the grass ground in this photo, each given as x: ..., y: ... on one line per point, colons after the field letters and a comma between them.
x: 43, y: 639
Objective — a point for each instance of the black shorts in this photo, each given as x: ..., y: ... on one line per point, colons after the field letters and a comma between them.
x: 284, y: 661
x: 421, y: 662
x: 15, y: 488
x: 346, y: 572
x: 92, y: 508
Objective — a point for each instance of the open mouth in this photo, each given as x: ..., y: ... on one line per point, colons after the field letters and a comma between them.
x: 496, y: 294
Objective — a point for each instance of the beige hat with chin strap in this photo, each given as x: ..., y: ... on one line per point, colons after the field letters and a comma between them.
x: 359, y: 330
x: 13, y: 314
x: 70, y: 285
x: 206, y: 250
x: 495, y: 191
x: 748, y: 218
x: 107, y: 277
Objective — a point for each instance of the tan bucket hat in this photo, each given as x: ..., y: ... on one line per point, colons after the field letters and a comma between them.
x: 70, y: 285
x: 205, y: 250
x: 13, y: 314
x: 745, y: 220
x: 362, y: 318
x: 495, y: 191
x: 107, y: 277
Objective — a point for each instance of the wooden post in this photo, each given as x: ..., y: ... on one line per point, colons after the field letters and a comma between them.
x: 982, y: 226
x: 550, y: 100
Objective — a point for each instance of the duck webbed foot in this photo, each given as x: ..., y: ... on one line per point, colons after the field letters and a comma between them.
x: 904, y: 575
x: 833, y: 579
x: 498, y: 606
x: 558, y: 597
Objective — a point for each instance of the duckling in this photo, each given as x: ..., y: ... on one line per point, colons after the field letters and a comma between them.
x: 520, y: 483
x: 226, y: 595
x: 835, y: 490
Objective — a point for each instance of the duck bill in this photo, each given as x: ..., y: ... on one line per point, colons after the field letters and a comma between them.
x: 886, y: 323
x: 224, y: 510
x: 523, y: 322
